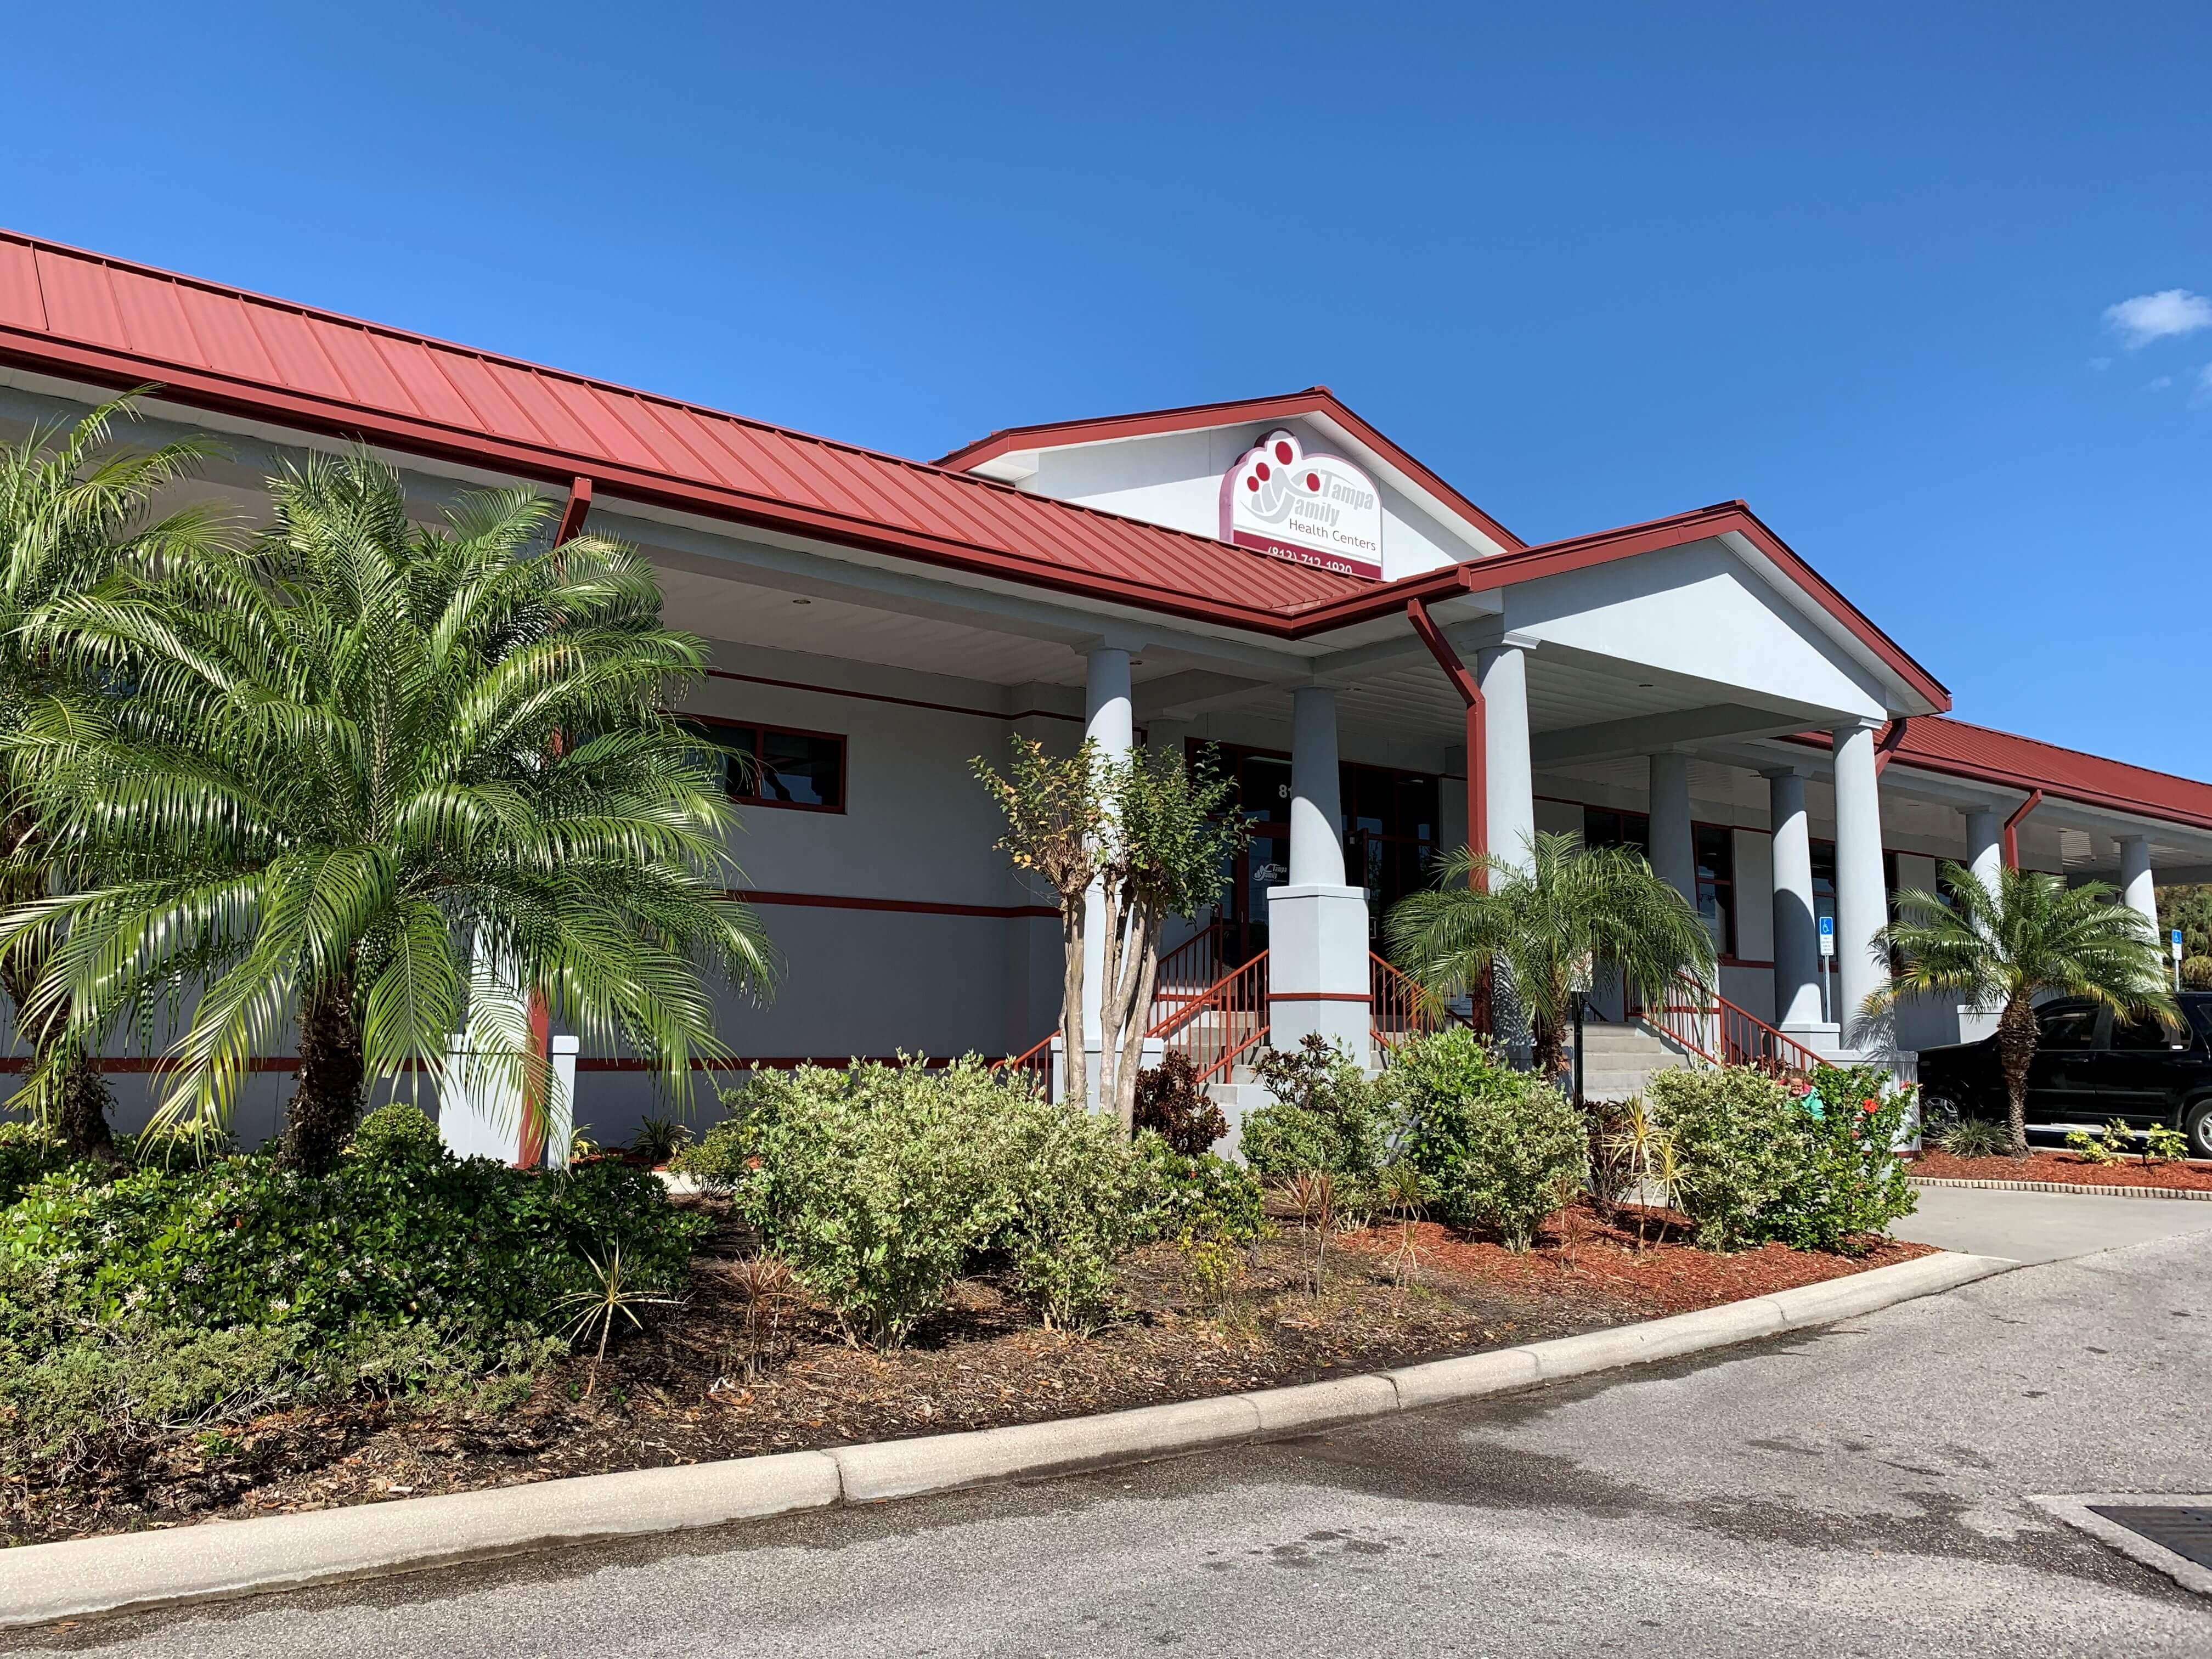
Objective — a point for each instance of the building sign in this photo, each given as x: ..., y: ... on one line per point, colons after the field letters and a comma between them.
x: 1319, y: 510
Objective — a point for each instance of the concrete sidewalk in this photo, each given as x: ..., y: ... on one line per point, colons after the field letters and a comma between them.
x: 2043, y: 1226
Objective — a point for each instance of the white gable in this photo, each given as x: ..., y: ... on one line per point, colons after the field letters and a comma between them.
x: 1174, y: 479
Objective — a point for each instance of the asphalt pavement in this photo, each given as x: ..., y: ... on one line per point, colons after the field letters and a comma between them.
x: 1853, y: 1492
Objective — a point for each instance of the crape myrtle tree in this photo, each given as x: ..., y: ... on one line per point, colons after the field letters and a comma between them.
x: 2004, y: 948
x: 1168, y: 844
x: 358, y: 761
x: 1572, y: 905
x: 1151, y: 833
x: 1055, y: 813
x: 74, y: 511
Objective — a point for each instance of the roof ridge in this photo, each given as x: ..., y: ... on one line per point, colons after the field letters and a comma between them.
x: 844, y: 445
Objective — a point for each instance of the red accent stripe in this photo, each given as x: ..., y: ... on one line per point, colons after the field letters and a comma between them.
x: 907, y: 907
x: 903, y: 703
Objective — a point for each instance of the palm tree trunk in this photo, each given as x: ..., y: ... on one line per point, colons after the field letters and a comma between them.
x: 76, y: 1108
x: 2015, y: 1055
x: 327, y: 1099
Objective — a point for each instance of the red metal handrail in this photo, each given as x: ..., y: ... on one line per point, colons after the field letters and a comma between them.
x: 1699, y: 1019
x: 1188, y: 972
x: 1036, y: 1064
x: 1214, y: 1031
x: 1401, y: 1006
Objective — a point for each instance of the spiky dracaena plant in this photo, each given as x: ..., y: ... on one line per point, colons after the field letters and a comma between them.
x: 2031, y: 936
x: 1566, y: 906
x: 364, y: 768
x: 73, y: 511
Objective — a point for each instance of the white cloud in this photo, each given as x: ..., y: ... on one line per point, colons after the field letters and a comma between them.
x: 2160, y: 384
x: 2100, y: 364
x: 2150, y: 317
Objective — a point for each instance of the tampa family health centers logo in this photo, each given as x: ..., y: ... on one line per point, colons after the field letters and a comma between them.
x: 1317, y: 510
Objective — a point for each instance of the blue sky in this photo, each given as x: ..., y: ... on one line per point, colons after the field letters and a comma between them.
x: 1593, y: 264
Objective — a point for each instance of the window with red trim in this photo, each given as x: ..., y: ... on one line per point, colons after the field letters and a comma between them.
x: 780, y: 765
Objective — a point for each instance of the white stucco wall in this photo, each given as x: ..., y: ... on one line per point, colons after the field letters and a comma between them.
x: 1174, y: 479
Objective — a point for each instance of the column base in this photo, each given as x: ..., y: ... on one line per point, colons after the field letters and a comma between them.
x: 1153, y: 1051
x: 1317, y: 969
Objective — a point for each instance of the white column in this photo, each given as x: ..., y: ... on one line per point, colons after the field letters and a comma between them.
x: 1509, y: 791
x: 1317, y: 942
x: 2137, y: 885
x: 1862, y: 895
x: 1109, y: 722
x: 1673, y: 846
x: 1797, y: 923
x: 1985, y: 845
x: 1317, y: 812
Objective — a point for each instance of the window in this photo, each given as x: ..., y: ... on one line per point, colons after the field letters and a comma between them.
x: 1602, y: 827
x: 1715, y: 845
x: 778, y: 766
x: 2152, y: 1033
x: 2067, y: 1025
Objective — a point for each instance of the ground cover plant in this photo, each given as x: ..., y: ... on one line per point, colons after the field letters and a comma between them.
x: 749, y: 1366
x: 176, y: 1295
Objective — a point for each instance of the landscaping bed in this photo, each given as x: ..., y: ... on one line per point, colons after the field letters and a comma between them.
x: 2067, y: 1168
x: 728, y: 1376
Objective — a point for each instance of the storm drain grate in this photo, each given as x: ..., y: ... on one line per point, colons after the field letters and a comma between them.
x: 2187, y: 1532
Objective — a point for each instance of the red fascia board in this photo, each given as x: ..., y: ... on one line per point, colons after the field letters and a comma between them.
x: 2030, y: 783
x: 1197, y: 417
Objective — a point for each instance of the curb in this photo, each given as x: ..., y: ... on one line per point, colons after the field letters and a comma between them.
x: 219, y: 1560
x: 2202, y: 1193
x: 2074, y: 1510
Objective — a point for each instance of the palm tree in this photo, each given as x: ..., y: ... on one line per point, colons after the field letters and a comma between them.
x: 73, y: 513
x: 2032, y: 937
x: 1573, y: 905
x: 364, y: 769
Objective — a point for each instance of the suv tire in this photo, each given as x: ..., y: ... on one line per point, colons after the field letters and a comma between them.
x: 2197, y: 1124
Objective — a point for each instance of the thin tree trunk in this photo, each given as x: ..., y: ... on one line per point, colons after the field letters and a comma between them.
x: 2015, y: 1055
x: 1144, y: 942
x: 1113, y: 993
x: 327, y: 1099
x: 1074, y: 1075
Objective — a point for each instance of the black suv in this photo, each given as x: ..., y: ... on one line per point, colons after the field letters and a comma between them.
x: 2089, y: 1067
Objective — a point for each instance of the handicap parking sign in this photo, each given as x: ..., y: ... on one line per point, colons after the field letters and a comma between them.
x: 1827, y: 936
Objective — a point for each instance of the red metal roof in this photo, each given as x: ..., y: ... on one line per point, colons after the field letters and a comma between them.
x: 1938, y: 743
x: 87, y: 317
x: 67, y: 311
x: 1193, y: 417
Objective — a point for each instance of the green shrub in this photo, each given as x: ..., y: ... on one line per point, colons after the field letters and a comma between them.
x: 172, y: 1294
x: 26, y: 1153
x: 184, y: 1146
x: 1204, y: 1197
x: 1326, y: 1114
x: 1739, y: 1148
x: 1754, y: 1161
x: 876, y: 1183
x: 1493, y: 1147
x: 2164, y: 1144
x: 1080, y: 1197
x: 1973, y: 1137
x: 1853, y: 1182
x: 398, y: 1127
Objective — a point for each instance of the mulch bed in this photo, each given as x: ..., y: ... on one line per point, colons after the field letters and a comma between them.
x: 711, y: 1382
x: 2070, y: 1168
